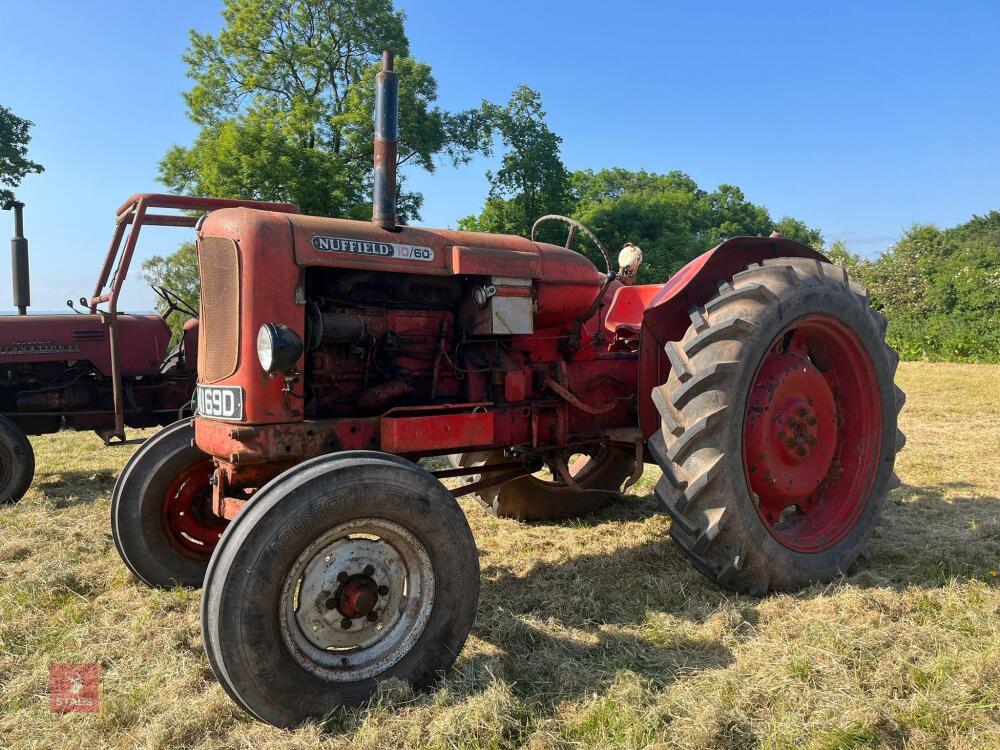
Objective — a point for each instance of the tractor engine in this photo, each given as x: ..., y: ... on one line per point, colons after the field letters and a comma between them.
x: 376, y: 339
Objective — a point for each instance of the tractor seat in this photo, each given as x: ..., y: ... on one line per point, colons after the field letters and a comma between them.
x: 624, y: 318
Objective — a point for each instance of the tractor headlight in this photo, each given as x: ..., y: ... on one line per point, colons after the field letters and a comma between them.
x: 278, y: 348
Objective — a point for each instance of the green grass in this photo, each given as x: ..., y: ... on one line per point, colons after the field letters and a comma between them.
x: 590, y: 634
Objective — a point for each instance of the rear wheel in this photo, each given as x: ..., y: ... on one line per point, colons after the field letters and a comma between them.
x: 161, y: 510
x: 779, y: 428
x: 17, y: 462
x: 345, y: 570
x: 596, y: 470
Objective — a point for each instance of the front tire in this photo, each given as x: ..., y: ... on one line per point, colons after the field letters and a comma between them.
x: 161, y: 516
x: 345, y: 570
x: 17, y: 462
x: 779, y: 428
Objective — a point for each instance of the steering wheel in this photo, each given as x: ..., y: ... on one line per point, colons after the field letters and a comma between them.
x: 574, y: 225
x: 174, y: 301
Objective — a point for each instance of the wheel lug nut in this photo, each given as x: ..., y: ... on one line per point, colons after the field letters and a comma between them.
x: 346, y: 623
x: 383, y: 590
x: 342, y: 576
x: 372, y: 616
x: 369, y: 570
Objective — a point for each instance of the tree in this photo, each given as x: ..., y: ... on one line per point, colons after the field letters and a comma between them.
x: 284, y: 97
x: 795, y: 229
x: 939, y: 289
x: 178, y: 272
x: 14, y: 163
x: 669, y: 216
x: 532, y: 180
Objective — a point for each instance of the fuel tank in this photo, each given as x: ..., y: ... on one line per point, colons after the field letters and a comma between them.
x: 59, y: 338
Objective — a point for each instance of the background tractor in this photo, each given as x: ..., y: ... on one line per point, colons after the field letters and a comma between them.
x: 334, y: 354
x: 97, y: 370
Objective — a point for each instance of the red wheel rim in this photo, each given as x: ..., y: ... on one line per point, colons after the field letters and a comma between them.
x: 812, y: 433
x: 188, y: 521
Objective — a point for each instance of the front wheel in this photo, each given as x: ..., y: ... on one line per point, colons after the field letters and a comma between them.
x: 161, y: 510
x: 778, y: 427
x: 17, y: 462
x: 345, y: 570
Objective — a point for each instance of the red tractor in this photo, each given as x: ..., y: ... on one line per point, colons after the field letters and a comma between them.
x: 335, y: 354
x: 101, y: 370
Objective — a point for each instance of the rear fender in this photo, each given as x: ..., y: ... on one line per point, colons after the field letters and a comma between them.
x: 666, y: 318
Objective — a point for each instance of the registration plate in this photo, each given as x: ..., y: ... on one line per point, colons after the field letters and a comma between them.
x: 220, y: 402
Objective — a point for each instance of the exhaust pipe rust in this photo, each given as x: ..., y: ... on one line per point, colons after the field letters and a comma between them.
x: 386, y: 145
x: 19, y: 259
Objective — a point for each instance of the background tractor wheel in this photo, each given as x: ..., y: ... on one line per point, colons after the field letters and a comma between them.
x: 346, y: 570
x: 17, y: 462
x: 598, y: 471
x: 778, y: 427
x: 161, y: 510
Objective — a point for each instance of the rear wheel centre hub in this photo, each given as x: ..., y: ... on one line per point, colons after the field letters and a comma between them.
x: 791, y: 435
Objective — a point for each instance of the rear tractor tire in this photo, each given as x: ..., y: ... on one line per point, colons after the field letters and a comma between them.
x: 779, y: 428
x: 346, y: 570
x: 17, y: 462
x: 161, y: 510
x: 598, y: 471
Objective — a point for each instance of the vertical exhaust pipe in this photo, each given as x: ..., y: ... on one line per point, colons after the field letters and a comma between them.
x: 19, y: 259
x: 386, y: 145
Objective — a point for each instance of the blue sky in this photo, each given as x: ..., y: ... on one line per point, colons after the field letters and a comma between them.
x: 860, y: 118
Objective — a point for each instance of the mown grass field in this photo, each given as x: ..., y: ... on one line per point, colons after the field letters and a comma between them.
x: 590, y: 634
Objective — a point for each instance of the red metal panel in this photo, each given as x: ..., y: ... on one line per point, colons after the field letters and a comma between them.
x: 62, y: 338
x: 444, y: 431
x: 195, y: 203
x: 490, y: 261
x: 628, y: 307
x: 269, y: 280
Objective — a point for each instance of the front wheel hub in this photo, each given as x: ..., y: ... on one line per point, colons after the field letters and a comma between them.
x: 356, y: 599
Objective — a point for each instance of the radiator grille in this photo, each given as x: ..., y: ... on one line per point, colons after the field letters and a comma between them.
x: 219, y: 334
x: 88, y: 334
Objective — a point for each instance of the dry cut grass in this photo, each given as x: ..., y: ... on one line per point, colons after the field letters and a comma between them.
x: 591, y: 634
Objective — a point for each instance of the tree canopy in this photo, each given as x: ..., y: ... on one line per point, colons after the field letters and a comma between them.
x: 532, y: 180
x: 668, y: 215
x: 940, y: 289
x: 284, y: 97
x: 178, y: 272
x: 15, y: 165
